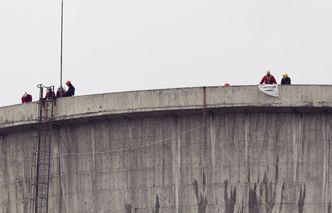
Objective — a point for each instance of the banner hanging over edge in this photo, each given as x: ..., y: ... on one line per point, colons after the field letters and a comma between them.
x: 270, y: 89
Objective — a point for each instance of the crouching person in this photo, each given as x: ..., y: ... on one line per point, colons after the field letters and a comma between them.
x: 26, y: 98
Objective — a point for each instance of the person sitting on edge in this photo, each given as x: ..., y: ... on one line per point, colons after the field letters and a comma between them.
x: 268, y: 78
x: 71, y: 89
x: 60, y: 92
x: 26, y: 98
x: 285, y: 79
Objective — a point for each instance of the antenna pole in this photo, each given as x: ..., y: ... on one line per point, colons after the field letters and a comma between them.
x: 61, y: 50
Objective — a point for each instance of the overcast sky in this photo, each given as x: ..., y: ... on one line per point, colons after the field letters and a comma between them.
x: 124, y: 45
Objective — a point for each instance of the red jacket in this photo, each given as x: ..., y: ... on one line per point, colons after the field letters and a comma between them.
x: 268, y: 80
x: 26, y: 99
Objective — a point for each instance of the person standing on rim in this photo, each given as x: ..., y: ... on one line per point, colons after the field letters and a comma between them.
x: 71, y: 89
x: 268, y: 78
x: 49, y: 94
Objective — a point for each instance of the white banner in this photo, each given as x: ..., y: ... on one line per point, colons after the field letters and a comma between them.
x: 270, y: 89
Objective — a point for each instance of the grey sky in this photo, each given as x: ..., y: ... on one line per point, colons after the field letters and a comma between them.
x: 131, y: 45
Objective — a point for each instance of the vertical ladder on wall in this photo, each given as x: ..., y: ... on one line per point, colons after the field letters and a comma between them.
x: 42, y: 154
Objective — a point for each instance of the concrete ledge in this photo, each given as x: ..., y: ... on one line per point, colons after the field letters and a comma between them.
x: 169, y: 100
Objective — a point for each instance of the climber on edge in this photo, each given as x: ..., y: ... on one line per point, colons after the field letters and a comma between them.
x: 71, y: 89
x: 268, y: 78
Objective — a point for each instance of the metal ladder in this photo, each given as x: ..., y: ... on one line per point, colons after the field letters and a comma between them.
x: 42, y: 153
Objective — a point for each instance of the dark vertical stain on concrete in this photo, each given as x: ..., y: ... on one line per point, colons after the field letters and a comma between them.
x: 201, y: 197
x: 156, y: 206
x: 282, y: 196
x: 241, y: 209
x: 204, y: 181
x: 127, y: 208
x: 202, y: 204
x: 19, y: 188
x: 163, y: 177
x: 265, y: 192
x: 195, y: 186
x: 269, y: 189
x: 301, y: 199
x: 253, y: 200
x: 329, y: 207
x: 277, y: 169
x: 229, y: 200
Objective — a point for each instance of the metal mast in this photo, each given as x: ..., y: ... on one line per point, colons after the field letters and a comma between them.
x: 61, y: 48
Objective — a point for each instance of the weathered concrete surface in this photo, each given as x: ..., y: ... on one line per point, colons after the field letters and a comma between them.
x: 225, y: 160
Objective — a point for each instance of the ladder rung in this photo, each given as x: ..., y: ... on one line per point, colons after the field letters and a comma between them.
x: 43, y: 175
x: 44, y: 159
x: 44, y: 172
x: 43, y: 198
x: 41, y: 165
x: 42, y: 183
x: 43, y: 180
x: 45, y: 151
x: 41, y: 151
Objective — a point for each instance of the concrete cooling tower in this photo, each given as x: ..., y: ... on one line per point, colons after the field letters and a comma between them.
x: 187, y: 150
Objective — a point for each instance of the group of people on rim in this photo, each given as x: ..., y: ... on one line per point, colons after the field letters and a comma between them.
x: 50, y: 94
x: 269, y: 79
x: 61, y: 92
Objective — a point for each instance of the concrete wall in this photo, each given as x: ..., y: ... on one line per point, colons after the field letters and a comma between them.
x: 242, y: 155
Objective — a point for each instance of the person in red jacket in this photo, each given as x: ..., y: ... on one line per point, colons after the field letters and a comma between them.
x: 268, y: 79
x: 26, y: 98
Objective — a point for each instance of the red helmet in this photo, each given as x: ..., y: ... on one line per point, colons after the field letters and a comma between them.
x: 68, y: 82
